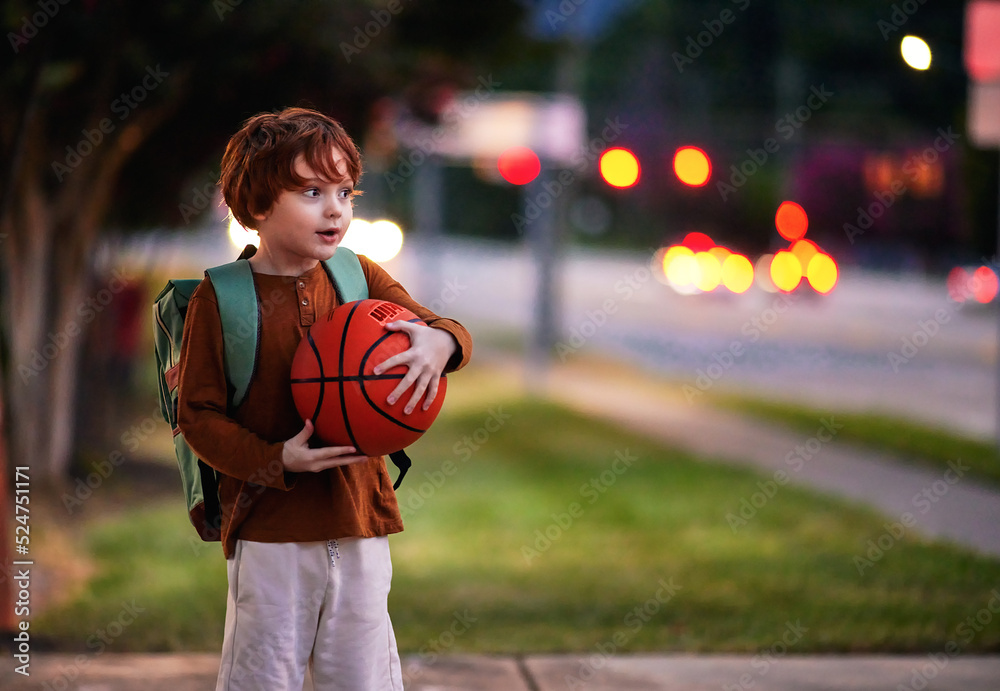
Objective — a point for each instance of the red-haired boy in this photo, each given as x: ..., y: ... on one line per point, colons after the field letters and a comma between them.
x: 304, y: 530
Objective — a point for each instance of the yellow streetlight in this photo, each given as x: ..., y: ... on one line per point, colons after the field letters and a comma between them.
x: 916, y: 52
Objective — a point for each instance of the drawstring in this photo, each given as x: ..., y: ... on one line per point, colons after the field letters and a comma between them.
x: 402, y: 462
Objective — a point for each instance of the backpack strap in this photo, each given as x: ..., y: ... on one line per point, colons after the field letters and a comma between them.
x: 239, y: 312
x: 169, y: 309
x: 344, y: 268
x: 239, y: 309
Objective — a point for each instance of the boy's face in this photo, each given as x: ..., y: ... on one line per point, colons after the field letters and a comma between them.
x: 305, y: 225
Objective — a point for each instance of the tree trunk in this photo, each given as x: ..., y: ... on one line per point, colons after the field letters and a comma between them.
x: 50, y: 243
x: 45, y: 338
x: 8, y: 173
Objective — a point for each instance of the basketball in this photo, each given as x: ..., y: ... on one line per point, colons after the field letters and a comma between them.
x: 334, y: 385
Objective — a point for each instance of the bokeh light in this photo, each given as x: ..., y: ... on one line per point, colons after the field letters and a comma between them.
x: 805, y: 250
x: 240, y: 236
x: 762, y: 273
x: 958, y: 284
x: 682, y: 272
x: 791, y: 221
x: 673, y: 252
x: 737, y: 273
x: 698, y: 242
x: 981, y: 284
x: 519, y: 165
x: 698, y: 265
x: 619, y: 167
x: 379, y: 241
x: 822, y: 272
x: 720, y: 253
x: 692, y: 166
x: 984, y: 284
x: 786, y: 271
x: 916, y: 53
x: 709, y: 272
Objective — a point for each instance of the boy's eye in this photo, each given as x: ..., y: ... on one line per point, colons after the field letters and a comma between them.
x: 312, y: 192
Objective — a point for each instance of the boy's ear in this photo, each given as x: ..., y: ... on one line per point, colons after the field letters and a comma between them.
x: 260, y: 215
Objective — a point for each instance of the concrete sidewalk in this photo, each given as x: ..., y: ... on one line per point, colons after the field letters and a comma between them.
x: 196, y: 672
x: 943, y: 504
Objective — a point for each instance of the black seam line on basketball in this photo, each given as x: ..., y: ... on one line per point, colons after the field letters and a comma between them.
x: 364, y: 392
x: 340, y: 366
x: 389, y: 417
x: 322, y: 384
x: 355, y: 377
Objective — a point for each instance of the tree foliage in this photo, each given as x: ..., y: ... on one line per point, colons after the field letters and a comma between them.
x: 113, y: 112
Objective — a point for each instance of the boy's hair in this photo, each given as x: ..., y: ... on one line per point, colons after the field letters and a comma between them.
x: 259, y: 161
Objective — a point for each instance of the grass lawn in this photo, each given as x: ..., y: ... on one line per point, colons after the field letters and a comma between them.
x: 532, y: 529
x: 907, y: 439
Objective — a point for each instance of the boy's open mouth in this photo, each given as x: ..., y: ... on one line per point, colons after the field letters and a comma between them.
x: 328, y: 234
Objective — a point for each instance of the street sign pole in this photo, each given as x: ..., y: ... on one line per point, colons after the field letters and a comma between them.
x: 981, y: 56
x: 543, y: 241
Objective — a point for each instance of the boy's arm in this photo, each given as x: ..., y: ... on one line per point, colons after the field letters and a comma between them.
x: 203, y: 414
x: 382, y: 286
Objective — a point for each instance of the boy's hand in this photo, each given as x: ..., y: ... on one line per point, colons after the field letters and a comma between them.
x: 298, y: 457
x: 428, y: 354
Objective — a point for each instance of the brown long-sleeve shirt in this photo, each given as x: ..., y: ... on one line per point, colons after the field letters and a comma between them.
x: 260, y: 501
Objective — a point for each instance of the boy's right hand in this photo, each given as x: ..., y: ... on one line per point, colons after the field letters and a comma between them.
x: 298, y: 457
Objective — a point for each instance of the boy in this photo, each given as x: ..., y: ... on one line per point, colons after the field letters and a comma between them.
x: 304, y: 529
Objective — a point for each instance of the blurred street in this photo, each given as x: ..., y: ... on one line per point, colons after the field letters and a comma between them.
x: 889, y: 343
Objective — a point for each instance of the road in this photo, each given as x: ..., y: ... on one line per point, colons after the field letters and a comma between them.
x: 895, y: 344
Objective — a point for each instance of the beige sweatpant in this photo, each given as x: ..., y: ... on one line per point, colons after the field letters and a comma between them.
x: 321, y: 605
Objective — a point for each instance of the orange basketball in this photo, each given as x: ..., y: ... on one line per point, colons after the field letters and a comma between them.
x: 334, y: 385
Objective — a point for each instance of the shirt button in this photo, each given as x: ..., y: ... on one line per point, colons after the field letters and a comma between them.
x: 305, y: 302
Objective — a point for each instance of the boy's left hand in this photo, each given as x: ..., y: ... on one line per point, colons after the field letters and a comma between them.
x: 428, y: 354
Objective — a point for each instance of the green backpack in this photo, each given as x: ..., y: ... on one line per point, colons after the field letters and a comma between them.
x: 239, y: 312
